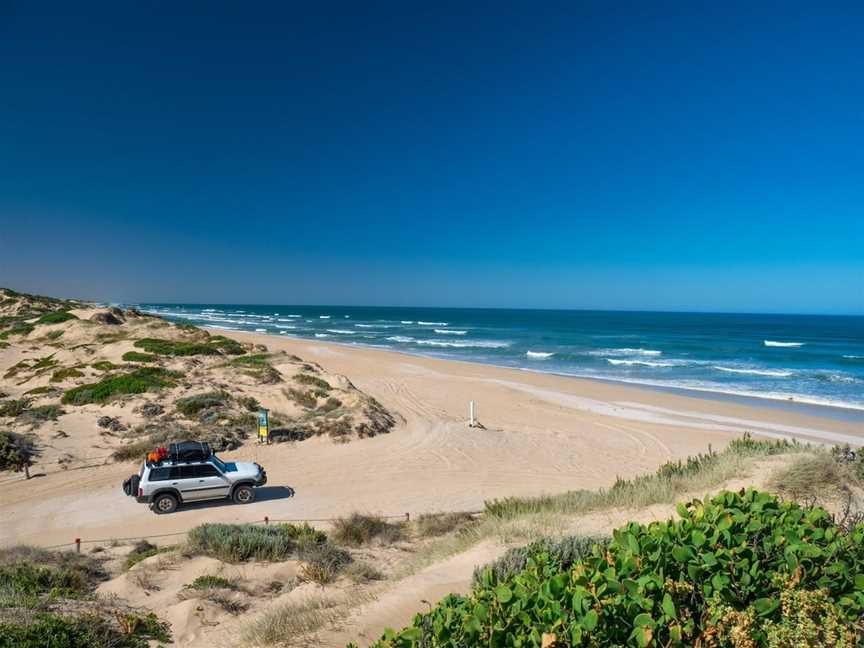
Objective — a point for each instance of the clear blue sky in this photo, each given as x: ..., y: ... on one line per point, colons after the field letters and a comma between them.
x: 640, y: 155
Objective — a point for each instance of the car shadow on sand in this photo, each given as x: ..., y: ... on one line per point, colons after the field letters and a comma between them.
x: 262, y: 494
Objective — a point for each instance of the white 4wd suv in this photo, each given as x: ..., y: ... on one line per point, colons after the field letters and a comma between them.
x: 189, y: 472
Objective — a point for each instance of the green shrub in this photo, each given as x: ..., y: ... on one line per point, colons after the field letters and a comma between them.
x: 137, y: 356
x: 19, y: 328
x: 30, y: 570
x: 660, y: 584
x: 215, y: 345
x: 255, y: 360
x: 89, y: 630
x: 16, y: 451
x: 104, y: 365
x: 14, y: 407
x: 359, y: 529
x: 314, y: 381
x: 330, y: 405
x: 211, y: 582
x: 56, y: 317
x: 136, y: 382
x: 41, y: 391
x: 191, y: 406
x: 64, y: 374
x: 241, y: 542
x: 42, y: 413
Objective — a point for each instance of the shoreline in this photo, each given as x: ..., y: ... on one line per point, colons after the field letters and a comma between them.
x: 845, y: 413
x: 638, y: 403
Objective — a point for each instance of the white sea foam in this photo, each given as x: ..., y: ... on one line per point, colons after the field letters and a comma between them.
x: 625, y: 352
x: 640, y: 363
x: 772, y: 343
x: 341, y: 331
x: 433, y: 323
x: 208, y: 310
x: 854, y: 357
x: 261, y: 330
x: 400, y: 338
x: 755, y: 372
x: 450, y: 332
x: 284, y: 326
x: 539, y: 355
x: 323, y: 317
x: 479, y: 344
x: 376, y: 326
x: 295, y: 316
x: 283, y: 319
x: 322, y: 335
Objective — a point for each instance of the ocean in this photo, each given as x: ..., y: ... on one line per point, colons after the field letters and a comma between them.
x: 807, y: 359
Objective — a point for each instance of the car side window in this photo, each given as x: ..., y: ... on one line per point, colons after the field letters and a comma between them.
x: 160, y: 474
x: 187, y: 472
x: 207, y: 470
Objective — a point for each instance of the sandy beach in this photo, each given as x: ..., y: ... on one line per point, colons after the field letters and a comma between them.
x: 541, y: 434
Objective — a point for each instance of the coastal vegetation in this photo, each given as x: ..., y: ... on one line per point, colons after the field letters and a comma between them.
x: 728, y: 571
x: 135, y: 382
x: 47, y: 598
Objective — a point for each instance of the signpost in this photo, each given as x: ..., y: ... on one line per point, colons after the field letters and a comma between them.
x: 264, y: 426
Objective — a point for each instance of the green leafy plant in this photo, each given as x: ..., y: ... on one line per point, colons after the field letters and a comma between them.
x: 136, y: 382
x: 665, y: 584
x: 55, y: 317
x: 137, y: 356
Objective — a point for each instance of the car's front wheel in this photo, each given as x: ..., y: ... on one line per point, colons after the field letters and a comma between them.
x: 244, y: 495
x: 164, y: 503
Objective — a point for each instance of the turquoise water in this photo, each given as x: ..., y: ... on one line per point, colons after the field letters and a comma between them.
x: 809, y: 359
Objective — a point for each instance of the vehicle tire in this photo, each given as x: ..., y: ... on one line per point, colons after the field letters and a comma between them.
x: 164, y: 503
x: 244, y: 494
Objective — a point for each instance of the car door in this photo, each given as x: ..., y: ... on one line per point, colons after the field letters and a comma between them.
x: 206, y: 482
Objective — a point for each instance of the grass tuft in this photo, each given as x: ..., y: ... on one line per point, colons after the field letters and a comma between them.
x: 359, y: 529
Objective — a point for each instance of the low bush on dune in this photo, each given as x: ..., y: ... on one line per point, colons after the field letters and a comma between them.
x: 136, y: 382
x: 133, y: 451
x: 104, y: 365
x: 208, y: 581
x: 65, y: 374
x: 56, y: 317
x: 110, y: 629
x: 42, y: 413
x: 743, y: 569
x: 29, y: 570
x: 437, y: 524
x: 213, y: 345
x: 358, y: 529
x: 192, y: 406
x: 14, y: 407
x: 242, y: 542
x: 313, y: 381
x: 16, y: 451
x: 137, y: 356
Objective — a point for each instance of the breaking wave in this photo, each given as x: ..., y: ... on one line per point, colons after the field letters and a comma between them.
x: 756, y: 372
x: 773, y: 343
x: 539, y: 355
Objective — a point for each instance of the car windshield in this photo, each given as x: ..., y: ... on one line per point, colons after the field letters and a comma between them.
x: 218, y: 463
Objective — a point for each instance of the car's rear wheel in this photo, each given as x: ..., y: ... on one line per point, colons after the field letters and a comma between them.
x: 164, y: 503
x: 244, y: 495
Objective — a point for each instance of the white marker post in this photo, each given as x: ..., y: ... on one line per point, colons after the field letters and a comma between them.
x: 471, y: 414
